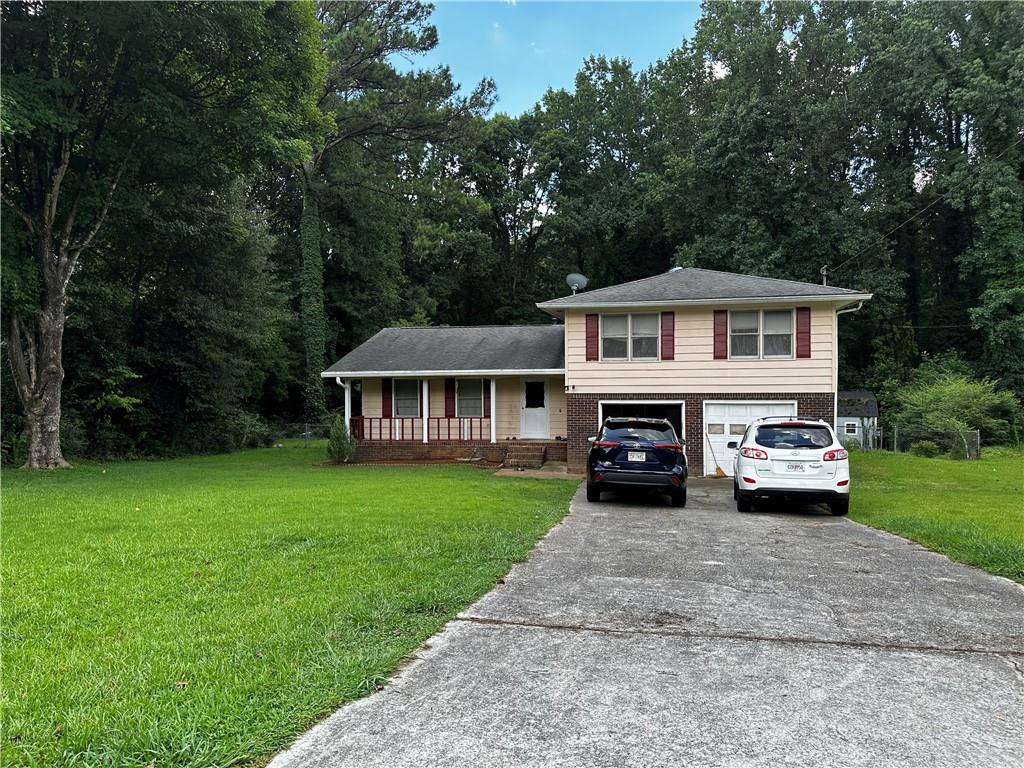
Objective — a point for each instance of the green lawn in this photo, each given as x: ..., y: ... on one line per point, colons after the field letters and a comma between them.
x: 972, y: 511
x: 205, y: 611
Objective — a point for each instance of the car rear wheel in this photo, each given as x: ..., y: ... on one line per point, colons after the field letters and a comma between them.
x: 840, y: 507
x: 679, y: 498
x: 593, y: 492
x: 743, y: 503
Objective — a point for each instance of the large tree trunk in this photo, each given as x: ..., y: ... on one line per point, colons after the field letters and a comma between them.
x: 35, y: 351
x: 35, y: 356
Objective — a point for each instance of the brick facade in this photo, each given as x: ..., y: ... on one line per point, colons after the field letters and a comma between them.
x: 581, y: 414
x: 445, y: 451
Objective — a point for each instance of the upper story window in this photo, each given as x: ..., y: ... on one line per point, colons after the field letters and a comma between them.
x: 469, y: 397
x: 629, y: 337
x: 764, y: 333
x: 406, y: 398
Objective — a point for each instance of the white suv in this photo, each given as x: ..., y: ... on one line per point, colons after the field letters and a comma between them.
x: 793, y: 457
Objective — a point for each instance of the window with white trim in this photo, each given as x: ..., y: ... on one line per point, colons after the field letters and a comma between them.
x: 630, y: 337
x: 850, y: 428
x: 761, y: 333
x: 469, y: 397
x: 406, y: 398
x: 777, y: 338
x: 743, y: 330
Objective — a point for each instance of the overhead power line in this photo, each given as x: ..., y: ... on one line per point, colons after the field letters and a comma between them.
x: 937, y: 200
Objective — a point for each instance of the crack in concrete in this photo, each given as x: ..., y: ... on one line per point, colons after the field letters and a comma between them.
x: 1007, y: 654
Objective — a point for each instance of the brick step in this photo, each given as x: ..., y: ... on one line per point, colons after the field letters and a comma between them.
x: 526, y: 456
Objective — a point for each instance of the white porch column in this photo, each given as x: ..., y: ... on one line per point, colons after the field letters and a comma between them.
x: 426, y: 409
x: 347, y: 384
x: 494, y: 410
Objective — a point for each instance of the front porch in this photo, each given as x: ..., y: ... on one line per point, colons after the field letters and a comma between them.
x: 470, y: 410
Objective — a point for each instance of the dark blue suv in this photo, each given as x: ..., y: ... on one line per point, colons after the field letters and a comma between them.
x: 632, y: 452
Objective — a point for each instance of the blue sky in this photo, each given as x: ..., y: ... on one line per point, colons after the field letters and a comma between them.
x: 528, y: 46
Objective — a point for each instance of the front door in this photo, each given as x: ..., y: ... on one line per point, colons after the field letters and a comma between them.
x: 533, y: 420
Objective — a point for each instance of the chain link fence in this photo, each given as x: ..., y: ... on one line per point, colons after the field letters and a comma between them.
x: 306, y: 432
x: 955, y: 444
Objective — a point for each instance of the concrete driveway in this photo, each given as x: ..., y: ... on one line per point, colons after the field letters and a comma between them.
x: 641, y: 635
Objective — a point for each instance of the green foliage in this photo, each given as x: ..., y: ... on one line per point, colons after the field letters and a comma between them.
x: 926, y: 449
x: 311, y: 298
x: 943, y: 398
x: 233, y: 590
x: 340, y: 445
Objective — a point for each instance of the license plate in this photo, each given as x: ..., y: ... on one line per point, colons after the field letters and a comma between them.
x: 636, y: 456
x: 794, y: 467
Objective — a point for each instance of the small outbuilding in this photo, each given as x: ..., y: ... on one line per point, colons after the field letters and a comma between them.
x: 857, y: 417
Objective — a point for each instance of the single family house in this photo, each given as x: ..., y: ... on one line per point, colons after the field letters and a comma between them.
x: 709, y: 351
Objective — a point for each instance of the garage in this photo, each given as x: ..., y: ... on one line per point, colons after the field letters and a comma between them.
x: 672, y: 410
x: 725, y: 421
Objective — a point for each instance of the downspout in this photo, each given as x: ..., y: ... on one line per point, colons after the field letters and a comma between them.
x: 835, y: 396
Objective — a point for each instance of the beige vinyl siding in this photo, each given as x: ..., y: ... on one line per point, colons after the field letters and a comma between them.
x: 509, y: 394
x: 695, y: 369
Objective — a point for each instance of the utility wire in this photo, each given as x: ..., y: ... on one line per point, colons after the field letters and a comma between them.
x: 938, y: 199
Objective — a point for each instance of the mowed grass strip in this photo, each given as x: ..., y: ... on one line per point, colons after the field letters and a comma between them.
x: 205, y: 611
x: 972, y: 511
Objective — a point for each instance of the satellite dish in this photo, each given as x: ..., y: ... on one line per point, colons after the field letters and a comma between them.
x: 576, y: 281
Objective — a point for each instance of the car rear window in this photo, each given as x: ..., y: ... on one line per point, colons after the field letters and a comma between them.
x: 786, y: 436
x: 638, y: 431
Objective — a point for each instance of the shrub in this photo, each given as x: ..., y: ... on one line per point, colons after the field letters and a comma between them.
x: 925, y: 448
x: 850, y: 443
x: 340, y: 445
x: 942, y: 398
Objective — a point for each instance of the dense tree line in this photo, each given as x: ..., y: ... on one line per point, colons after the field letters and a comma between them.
x: 257, y: 188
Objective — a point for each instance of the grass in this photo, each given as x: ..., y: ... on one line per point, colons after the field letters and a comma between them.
x: 971, y: 511
x: 205, y: 611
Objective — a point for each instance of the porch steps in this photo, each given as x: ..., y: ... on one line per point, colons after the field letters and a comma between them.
x: 525, y: 456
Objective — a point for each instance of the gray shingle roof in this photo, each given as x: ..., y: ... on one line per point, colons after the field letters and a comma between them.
x: 455, y: 349
x: 856, y: 402
x: 697, y: 285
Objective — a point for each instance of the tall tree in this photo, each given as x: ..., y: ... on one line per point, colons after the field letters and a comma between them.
x: 109, y: 98
x: 373, y: 105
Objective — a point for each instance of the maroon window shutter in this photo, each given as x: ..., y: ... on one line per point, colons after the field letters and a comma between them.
x: 593, y: 340
x: 385, y: 398
x: 487, y: 398
x: 803, y: 331
x: 449, y: 398
x: 668, y: 335
x: 721, y: 334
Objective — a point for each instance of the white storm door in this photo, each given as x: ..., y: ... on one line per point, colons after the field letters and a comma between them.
x: 533, y: 409
x: 725, y: 422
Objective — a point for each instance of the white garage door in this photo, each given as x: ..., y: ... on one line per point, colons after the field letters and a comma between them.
x: 725, y: 422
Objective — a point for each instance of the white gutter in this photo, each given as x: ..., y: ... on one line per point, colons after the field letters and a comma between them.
x: 408, y: 374
x: 850, y: 309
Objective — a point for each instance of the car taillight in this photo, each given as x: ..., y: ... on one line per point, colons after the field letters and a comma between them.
x: 669, y: 446
x: 843, y: 482
x: 753, y: 453
x: 837, y: 455
x: 606, y: 443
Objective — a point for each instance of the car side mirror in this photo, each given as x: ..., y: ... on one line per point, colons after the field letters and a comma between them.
x: 732, y: 445
x: 592, y: 439
x: 681, y: 441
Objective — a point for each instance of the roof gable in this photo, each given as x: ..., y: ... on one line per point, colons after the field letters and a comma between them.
x: 693, y: 285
